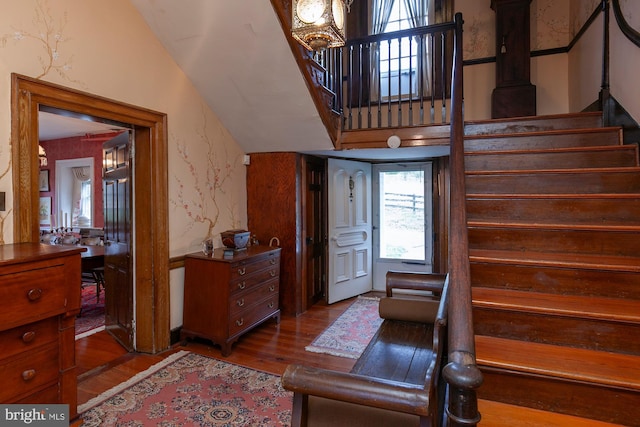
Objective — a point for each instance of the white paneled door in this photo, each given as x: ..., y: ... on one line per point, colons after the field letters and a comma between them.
x: 350, y: 223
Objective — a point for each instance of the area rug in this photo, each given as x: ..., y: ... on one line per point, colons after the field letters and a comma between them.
x: 188, y: 389
x: 350, y: 333
x: 91, y: 319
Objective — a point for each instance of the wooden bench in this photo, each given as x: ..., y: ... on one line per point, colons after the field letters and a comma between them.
x: 396, y: 381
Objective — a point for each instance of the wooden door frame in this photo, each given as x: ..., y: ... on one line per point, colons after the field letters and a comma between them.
x: 307, y: 224
x: 150, y: 214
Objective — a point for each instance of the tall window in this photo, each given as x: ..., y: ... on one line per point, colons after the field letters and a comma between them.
x: 401, y: 67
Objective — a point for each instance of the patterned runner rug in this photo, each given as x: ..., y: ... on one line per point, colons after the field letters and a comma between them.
x: 350, y: 333
x: 188, y: 389
x: 91, y: 319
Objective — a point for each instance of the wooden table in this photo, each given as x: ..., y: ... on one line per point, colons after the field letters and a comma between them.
x: 92, y: 257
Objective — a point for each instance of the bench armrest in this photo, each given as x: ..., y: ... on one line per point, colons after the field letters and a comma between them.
x: 431, y: 282
x: 358, y: 389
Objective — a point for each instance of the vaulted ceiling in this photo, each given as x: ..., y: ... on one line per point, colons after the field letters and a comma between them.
x: 236, y: 55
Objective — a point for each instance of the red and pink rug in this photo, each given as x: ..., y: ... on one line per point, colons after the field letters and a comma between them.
x: 188, y: 389
x: 350, y: 333
x: 91, y: 319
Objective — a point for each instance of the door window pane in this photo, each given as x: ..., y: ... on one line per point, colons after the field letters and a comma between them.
x: 402, y: 215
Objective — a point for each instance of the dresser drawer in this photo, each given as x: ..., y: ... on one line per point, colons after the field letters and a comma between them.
x: 27, y: 373
x: 28, y: 337
x: 249, y: 281
x: 244, y: 300
x: 49, y: 395
x: 247, y: 318
x: 246, y: 267
x: 32, y: 295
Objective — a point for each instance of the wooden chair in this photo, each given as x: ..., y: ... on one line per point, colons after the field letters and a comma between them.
x: 396, y: 381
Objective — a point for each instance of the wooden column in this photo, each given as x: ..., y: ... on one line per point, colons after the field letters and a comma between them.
x: 514, y: 95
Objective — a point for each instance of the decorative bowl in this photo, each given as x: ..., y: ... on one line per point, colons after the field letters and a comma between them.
x: 235, y: 239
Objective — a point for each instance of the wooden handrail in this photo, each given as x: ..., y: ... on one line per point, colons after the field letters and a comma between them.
x: 313, y: 75
x: 461, y: 373
x: 627, y: 30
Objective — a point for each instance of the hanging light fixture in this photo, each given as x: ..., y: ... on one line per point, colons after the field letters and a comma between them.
x: 42, y: 155
x: 319, y: 24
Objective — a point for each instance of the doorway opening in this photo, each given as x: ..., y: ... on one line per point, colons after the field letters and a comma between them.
x: 150, y: 256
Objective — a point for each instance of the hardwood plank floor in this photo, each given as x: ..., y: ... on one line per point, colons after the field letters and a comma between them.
x: 102, y: 363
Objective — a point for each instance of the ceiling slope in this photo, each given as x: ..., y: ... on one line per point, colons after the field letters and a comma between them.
x: 237, y: 57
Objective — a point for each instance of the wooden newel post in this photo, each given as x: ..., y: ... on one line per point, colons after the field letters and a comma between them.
x: 463, y: 381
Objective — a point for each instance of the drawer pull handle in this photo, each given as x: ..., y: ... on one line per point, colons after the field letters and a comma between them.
x: 270, y: 305
x: 29, y: 374
x: 28, y: 336
x: 272, y: 261
x: 272, y: 288
x: 240, y: 322
x: 242, y: 271
x: 272, y: 273
x: 34, y: 294
x: 242, y: 285
x: 240, y: 302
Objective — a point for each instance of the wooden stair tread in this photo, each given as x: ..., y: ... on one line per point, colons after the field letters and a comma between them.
x: 537, y: 151
x: 499, y: 414
x: 610, y: 369
x: 547, y: 259
x: 612, y: 309
x: 544, y: 132
x: 553, y: 226
x: 520, y: 124
x: 554, y: 196
x: 543, y: 172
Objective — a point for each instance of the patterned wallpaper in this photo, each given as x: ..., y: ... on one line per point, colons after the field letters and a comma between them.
x: 553, y: 24
x: 57, y: 41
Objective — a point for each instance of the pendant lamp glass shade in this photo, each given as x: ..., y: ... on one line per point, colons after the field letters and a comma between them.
x: 318, y: 24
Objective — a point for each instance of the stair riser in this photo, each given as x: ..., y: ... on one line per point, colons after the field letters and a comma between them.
x: 564, y: 281
x: 537, y: 142
x: 563, y: 396
x: 552, y: 183
x: 561, y: 241
x: 618, y: 211
x: 534, y: 124
x: 592, y: 334
x: 625, y: 157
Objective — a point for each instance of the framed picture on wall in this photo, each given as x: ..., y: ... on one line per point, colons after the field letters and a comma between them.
x: 44, y: 180
x: 45, y: 211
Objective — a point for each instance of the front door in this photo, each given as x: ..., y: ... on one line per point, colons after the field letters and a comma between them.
x: 117, y: 235
x: 349, y: 207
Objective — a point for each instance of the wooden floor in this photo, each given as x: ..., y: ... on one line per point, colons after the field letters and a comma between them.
x: 103, y: 363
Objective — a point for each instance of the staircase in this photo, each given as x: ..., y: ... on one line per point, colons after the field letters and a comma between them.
x: 553, y: 213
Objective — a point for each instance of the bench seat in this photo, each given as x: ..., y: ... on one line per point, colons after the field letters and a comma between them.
x: 395, y: 381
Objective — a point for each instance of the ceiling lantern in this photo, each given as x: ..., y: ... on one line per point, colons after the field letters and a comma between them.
x: 318, y: 24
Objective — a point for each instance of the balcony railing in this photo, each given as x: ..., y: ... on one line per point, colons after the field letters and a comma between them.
x: 390, y: 80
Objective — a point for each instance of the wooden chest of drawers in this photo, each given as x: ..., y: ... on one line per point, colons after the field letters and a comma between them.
x: 40, y: 291
x: 226, y: 297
